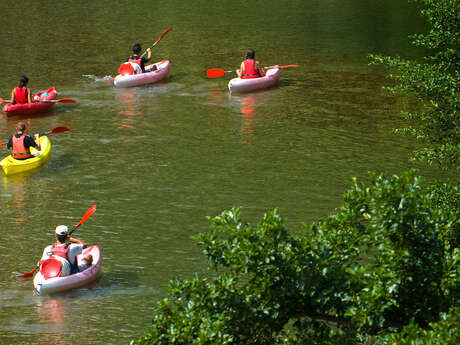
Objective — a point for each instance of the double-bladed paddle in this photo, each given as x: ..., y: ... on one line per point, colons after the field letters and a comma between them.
x: 62, y: 100
x: 87, y: 214
x: 59, y: 129
x: 158, y: 40
x: 128, y: 69
x: 217, y: 72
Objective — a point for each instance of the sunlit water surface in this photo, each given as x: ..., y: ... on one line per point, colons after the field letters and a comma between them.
x: 157, y: 160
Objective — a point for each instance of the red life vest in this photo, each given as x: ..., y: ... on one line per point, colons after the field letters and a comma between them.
x: 138, y: 61
x: 250, y: 70
x: 19, y: 150
x: 21, y: 94
x: 61, y: 251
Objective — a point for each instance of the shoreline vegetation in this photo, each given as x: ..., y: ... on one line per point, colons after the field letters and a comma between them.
x: 381, y: 269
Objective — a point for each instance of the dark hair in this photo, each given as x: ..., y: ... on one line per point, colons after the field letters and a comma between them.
x: 23, y: 81
x: 250, y: 54
x: 21, y: 127
x: 61, y: 238
x: 137, y: 48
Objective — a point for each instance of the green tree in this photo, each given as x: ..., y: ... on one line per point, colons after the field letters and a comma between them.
x: 385, y: 261
x: 434, y: 82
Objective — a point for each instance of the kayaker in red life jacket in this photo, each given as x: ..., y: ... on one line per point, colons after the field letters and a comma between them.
x: 250, y: 68
x: 66, y: 249
x: 21, y: 143
x: 135, y: 58
x: 21, y: 93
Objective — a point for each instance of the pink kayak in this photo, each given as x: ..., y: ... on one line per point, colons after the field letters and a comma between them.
x: 47, y: 285
x: 35, y: 107
x: 149, y: 77
x: 246, y: 85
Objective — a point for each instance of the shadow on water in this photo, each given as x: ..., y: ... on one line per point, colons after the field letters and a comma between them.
x: 175, y: 77
x: 286, y: 82
x: 46, y: 113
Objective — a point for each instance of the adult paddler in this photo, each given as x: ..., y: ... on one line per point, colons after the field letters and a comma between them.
x: 66, y: 249
x: 20, y: 143
x: 21, y: 93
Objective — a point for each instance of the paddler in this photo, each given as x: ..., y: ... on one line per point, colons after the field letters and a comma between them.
x: 250, y: 68
x: 21, y: 93
x: 66, y: 249
x: 21, y: 143
x: 140, y: 60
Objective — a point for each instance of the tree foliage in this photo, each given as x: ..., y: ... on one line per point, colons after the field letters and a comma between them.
x: 434, y: 82
x: 384, y: 266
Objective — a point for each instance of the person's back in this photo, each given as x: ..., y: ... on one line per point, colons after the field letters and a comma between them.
x: 250, y: 68
x: 66, y: 249
x: 21, y: 93
x: 20, y: 143
x: 137, y: 58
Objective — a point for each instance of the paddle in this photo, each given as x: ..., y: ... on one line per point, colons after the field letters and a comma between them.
x: 158, y: 40
x: 111, y: 79
x: 59, y: 129
x: 87, y: 214
x: 62, y: 100
x: 217, y: 72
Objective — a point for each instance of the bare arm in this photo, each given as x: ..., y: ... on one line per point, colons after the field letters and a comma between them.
x: 13, y: 95
x: 37, y: 141
x: 149, y: 53
x: 260, y: 69
x: 77, y: 241
x: 240, y: 71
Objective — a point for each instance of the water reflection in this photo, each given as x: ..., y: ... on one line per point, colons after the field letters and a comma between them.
x: 130, y: 104
x: 247, y: 107
x: 52, y: 314
x: 15, y: 187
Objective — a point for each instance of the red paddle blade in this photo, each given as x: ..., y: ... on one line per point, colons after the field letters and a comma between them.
x: 59, y: 129
x: 163, y: 35
x: 215, y: 73
x: 27, y: 274
x: 3, y: 100
x: 66, y: 100
x: 2, y: 143
x: 56, y: 130
x: 62, y: 100
x: 87, y: 214
x: 287, y: 66
x: 284, y: 66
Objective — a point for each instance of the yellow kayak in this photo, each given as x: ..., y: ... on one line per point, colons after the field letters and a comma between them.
x: 14, y: 166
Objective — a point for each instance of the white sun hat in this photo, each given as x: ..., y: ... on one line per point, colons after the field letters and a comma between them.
x: 62, y: 230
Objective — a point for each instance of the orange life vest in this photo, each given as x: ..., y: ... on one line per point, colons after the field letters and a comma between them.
x: 21, y: 94
x: 250, y: 70
x: 19, y: 150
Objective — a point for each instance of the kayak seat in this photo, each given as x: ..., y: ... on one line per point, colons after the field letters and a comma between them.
x: 51, y: 268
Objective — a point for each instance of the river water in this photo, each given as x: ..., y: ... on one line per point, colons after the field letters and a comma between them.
x: 157, y: 160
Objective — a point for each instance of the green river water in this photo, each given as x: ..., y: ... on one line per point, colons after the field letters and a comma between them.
x: 157, y: 160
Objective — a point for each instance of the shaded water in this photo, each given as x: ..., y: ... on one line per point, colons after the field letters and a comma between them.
x: 157, y: 160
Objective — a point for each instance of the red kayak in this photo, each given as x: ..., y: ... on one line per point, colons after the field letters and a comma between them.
x: 39, y: 104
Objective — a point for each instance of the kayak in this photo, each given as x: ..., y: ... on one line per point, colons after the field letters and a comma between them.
x: 14, y: 166
x: 245, y: 85
x: 149, y: 77
x: 44, y: 285
x: 32, y: 108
